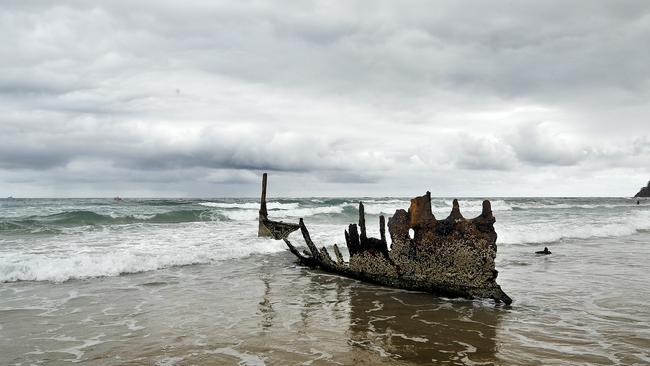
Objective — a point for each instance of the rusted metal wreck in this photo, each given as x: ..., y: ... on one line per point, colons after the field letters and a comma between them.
x: 453, y: 257
x: 266, y: 227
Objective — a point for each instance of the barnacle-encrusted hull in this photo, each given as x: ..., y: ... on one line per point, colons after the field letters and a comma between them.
x: 453, y: 257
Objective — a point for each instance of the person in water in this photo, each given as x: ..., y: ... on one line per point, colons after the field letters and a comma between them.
x: 545, y: 251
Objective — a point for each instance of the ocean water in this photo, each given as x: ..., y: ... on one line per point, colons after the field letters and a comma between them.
x: 187, y: 282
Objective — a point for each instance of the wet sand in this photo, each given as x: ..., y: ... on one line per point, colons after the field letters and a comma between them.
x: 265, y: 310
x: 269, y: 312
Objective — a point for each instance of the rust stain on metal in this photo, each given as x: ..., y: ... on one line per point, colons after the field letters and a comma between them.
x: 451, y: 257
x: 269, y: 228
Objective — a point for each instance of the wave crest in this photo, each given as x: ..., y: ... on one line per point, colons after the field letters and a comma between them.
x: 85, y: 218
x: 41, y: 267
x: 553, y: 231
x: 251, y: 205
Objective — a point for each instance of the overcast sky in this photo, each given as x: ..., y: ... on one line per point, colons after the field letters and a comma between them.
x: 352, y: 98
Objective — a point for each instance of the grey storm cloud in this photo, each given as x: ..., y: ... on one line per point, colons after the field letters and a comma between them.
x: 534, y: 145
x: 349, y: 97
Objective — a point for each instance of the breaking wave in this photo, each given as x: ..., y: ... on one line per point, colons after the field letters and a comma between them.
x: 33, y: 267
x: 248, y: 215
x: 565, y: 206
x: 83, y: 218
x: 522, y: 232
x: 252, y: 205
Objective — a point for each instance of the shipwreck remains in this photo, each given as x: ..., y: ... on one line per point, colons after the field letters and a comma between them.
x: 453, y: 257
x: 269, y: 228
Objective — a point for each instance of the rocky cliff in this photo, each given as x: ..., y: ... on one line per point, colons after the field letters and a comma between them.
x: 644, y: 192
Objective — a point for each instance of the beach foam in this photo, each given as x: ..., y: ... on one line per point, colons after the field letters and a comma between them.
x: 141, y: 257
x: 556, y: 230
x: 249, y: 215
x: 251, y: 205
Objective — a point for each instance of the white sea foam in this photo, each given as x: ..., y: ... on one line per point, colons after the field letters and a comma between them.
x: 250, y: 215
x: 553, y: 205
x: 472, y: 205
x: 106, y: 255
x: 311, y: 211
x: 249, y: 211
x: 389, y: 201
x: 441, y: 207
x: 384, y: 208
x: 42, y: 268
x: 245, y: 358
x: 241, y: 215
x: 581, y: 228
x: 251, y: 205
x: 142, y: 216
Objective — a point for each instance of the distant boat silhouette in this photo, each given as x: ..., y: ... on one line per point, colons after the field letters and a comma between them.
x: 117, y: 199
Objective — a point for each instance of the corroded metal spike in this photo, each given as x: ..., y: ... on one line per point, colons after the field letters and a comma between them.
x: 354, y: 245
x: 487, y: 209
x: 262, y: 230
x: 263, y: 197
x: 420, y: 211
x: 325, y: 256
x: 269, y: 228
x: 455, y: 211
x: 307, y: 238
x: 362, y: 223
x: 306, y: 259
x: 382, y: 229
x: 339, y: 256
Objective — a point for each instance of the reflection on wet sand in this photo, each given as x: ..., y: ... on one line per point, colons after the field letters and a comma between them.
x: 339, y: 320
x: 419, y: 328
x: 265, y: 308
x: 266, y: 313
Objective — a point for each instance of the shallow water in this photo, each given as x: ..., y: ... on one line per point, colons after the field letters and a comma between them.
x: 200, y: 288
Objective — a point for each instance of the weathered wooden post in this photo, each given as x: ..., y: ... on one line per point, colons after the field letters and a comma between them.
x: 262, y: 230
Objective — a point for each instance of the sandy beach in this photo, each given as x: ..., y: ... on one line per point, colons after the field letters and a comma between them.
x: 240, y: 300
